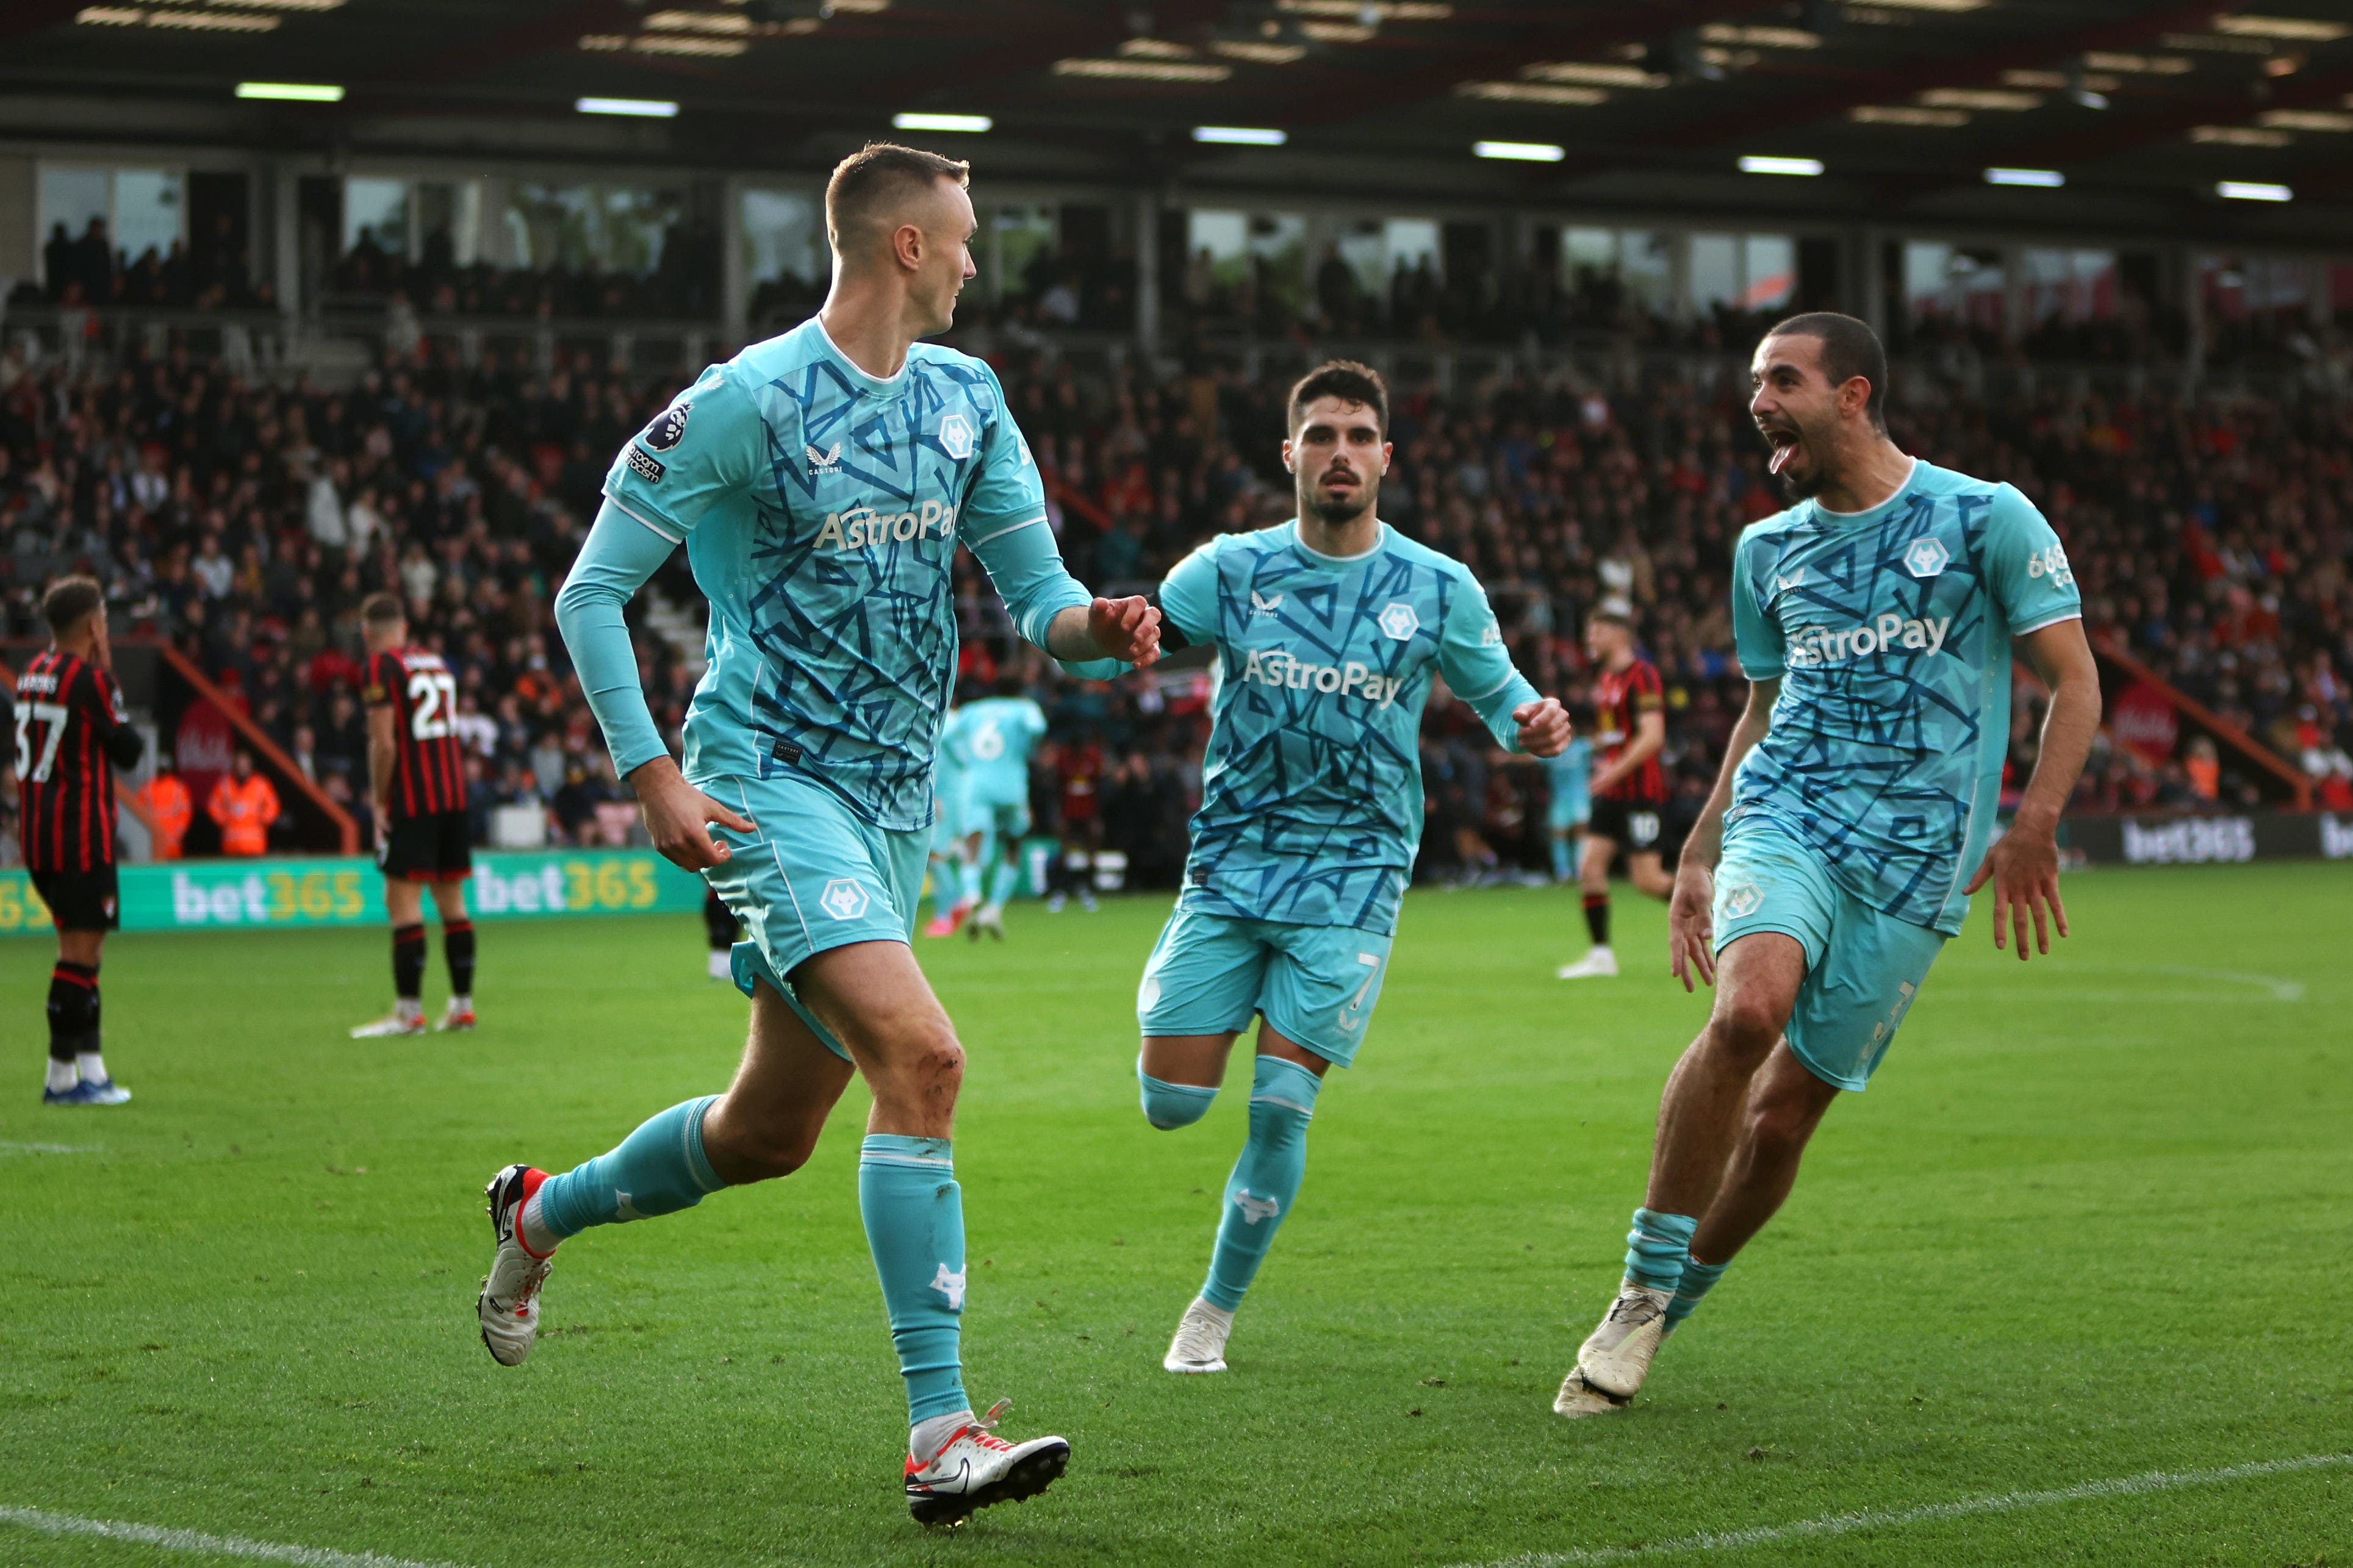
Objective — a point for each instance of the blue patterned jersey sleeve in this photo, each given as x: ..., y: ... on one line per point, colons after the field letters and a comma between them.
x: 1188, y: 596
x: 1757, y: 636
x: 615, y: 562
x: 1472, y: 657
x: 710, y: 443
x: 2027, y: 566
x: 1008, y: 491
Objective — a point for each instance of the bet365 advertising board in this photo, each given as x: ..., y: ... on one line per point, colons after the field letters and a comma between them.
x: 216, y: 895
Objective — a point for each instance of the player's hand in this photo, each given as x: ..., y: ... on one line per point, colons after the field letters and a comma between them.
x: 2025, y: 871
x: 1544, y: 727
x: 1126, y: 630
x: 677, y: 816
x: 1690, y: 924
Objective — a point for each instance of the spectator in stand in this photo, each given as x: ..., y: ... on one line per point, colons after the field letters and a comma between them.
x: 243, y: 804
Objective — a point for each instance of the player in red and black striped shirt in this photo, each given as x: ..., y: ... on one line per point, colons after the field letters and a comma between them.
x: 1629, y: 790
x: 416, y: 765
x: 71, y: 734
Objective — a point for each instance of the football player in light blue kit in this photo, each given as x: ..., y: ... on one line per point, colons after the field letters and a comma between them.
x: 945, y: 874
x: 1328, y: 630
x: 998, y: 736
x: 1568, y: 775
x: 821, y: 481
x: 1876, y: 621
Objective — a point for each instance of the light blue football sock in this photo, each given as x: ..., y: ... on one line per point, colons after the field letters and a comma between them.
x: 658, y: 1169
x: 1003, y: 882
x: 1657, y: 1247
x: 1265, y: 1182
x: 913, y: 1210
x: 1698, y: 1280
x: 1560, y: 857
x: 1168, y: 1106
x: 968, y: 882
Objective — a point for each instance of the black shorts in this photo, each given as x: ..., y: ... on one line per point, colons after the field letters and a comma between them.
x: 1632, y: 824
x: 436, y: 847
x: 81, y: 900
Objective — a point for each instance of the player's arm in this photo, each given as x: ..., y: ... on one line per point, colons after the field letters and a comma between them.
x: 1649, y: 737
x: 105, y: 711
x: 384, y: 735
x: 2024, y: 865
x: 1764, y: 652
x: 1003, y: 524
x: 621, y: 553
x: 1472, y: 656
x: 1691, y: 909
x: 2028, y: 576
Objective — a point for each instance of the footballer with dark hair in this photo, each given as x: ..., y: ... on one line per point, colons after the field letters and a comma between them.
x: 71, y: 734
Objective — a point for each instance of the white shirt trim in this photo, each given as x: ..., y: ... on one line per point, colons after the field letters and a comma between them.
x: 1010, y: 528
x: 1380, y: 542
x: 634, y: 517
x: 1893, y: 496
x: 905, y: 360
x: 2055, y: 620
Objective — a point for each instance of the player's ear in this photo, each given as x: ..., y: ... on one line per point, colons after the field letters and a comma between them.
x: 1286, y: 458
x: 1388, y: 449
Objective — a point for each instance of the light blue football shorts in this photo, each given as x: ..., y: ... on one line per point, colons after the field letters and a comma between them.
x: 1003, y: 820
x: 1862, y: 967
x: 815, y: 875
x: 1315, y: 985
x: 1569, y: 810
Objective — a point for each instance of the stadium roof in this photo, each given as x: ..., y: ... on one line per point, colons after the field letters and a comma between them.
x: 2143, y: 109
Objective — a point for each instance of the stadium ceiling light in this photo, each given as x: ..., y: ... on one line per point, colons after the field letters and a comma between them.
x: 642, y: 108
x: 1758, y: 165
x: 2253, y: 191
x: 2049, y: 179
x: 291, y: 92
x: 1240, y: 135
x: 2303, y: 29
x: 972, y: 124
x: 1557, y: 94
x: 1521, y: 152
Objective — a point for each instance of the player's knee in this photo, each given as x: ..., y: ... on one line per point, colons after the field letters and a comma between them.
x: 1168, y: 1106
x: 1744, y: 1026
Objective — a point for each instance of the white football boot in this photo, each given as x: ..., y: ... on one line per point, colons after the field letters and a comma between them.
x: 1200, y: 1342
x: 395, y: 1023
x: 976, y: 1468
x: 1599, y: 964
x: 1577, y: 1397
x: 1616, y: 1357
x: 989, y: 918
x: 509, y: 1304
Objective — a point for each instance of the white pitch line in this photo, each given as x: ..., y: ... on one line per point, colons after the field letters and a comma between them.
x: 1884, y: 1519
x: 196, y: 1541
x: 9, y: 1147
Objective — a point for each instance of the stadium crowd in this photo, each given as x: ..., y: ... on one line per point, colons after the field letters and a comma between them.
x: 244, y: 522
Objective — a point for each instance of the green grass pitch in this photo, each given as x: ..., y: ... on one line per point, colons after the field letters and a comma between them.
x: 2091, y: 1223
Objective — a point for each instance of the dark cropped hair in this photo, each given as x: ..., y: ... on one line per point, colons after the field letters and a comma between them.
x: 71, y: 601
x: 868, y: 178
x: 1850, y: 348
x: 381, y: 609
x: 1347, y: 381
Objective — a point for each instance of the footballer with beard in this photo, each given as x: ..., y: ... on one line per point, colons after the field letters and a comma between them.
x: 1875, y: 619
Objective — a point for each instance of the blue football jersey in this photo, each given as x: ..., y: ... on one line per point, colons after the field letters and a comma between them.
x: 821, y: 508
x: 1571, y: 772
x: 1311, y: 788
x: 994, y: 740
x: 1890, y: 632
